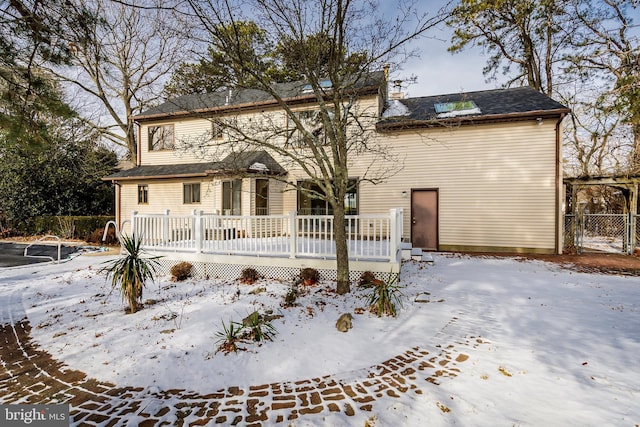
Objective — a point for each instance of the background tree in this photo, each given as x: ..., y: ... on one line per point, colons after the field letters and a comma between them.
x: 215, y: 71
x: 61, y: 178
x: 32, y: 38
x: 119, y: 64
x: 607, y: 50
x: 527, y: 34
x: 335, y: 45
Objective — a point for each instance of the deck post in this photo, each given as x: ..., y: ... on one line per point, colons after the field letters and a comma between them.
x: 293, y: 234
x: 197, y: 230
x: 394, y: 241
x: 133, y: 222
x: 165, y: 228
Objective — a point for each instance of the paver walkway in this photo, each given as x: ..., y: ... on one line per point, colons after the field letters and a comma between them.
x: 29, y: 374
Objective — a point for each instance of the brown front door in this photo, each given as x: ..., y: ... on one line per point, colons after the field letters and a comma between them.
x: 424, y: 219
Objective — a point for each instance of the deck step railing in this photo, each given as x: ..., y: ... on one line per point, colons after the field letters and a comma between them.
x: 374, y: 237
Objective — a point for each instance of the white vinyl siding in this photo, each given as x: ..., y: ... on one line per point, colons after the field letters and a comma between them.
x: 496, y: 183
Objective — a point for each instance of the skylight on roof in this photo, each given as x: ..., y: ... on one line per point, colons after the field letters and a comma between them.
x: 447, y: 107
x: 456, y: 109
x: 324, y: 84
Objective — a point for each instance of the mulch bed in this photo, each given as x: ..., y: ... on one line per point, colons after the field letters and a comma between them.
x: 605, y: 263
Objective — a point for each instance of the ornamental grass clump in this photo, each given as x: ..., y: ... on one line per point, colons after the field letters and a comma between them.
x: 130, y: 272
x: 384, y: 297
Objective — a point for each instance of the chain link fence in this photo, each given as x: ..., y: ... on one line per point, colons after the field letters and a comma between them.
x: 615, y: 233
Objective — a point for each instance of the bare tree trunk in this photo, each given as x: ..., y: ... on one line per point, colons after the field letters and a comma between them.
x: 635, y: 160
x: 342, y: 250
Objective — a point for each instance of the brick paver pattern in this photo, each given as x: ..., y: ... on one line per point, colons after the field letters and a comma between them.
x: 30, y: 375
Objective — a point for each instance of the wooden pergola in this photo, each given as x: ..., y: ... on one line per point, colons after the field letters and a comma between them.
x: 628, y: 186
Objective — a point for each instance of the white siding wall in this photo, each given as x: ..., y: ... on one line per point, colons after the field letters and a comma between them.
x: 164, y: 194
x: 496, y: 183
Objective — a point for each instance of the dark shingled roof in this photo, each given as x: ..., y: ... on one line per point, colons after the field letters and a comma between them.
x: 499, y: 104
x: 237, y: 162
x: 240, y: 97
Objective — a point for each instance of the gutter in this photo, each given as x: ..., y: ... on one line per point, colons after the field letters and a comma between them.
x: 402, y: 124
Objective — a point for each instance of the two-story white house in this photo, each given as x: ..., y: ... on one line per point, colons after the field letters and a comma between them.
x: 477, y: 171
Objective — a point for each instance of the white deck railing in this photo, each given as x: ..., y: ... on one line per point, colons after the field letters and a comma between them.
x: 371, y: 237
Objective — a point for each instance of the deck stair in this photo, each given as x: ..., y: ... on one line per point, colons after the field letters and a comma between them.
x: 409, y: 252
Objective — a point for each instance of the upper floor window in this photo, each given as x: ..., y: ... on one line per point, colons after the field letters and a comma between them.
x: 191, y: 193
x: 143, y: 194
x: 161, y: 138
x: 217, y: 130
x: 312, y: 123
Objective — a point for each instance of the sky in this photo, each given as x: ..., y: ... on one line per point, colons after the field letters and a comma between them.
x: 487, y: 341
x: 437, y: 70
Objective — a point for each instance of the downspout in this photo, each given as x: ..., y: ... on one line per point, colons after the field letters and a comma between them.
x: 139, y: 145
x: 559, y: 183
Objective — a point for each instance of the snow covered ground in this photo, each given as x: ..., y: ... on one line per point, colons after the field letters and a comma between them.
x: 558, y: 348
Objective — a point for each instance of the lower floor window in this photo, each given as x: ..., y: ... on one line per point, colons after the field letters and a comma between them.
x: 231, y: 197
x: 311, y: 199
x: 191, y: 193
x: 262, y: 197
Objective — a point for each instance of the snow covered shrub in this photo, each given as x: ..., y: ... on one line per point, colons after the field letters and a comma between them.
x: 309, y: 276
x: 249, y: 276
x: 366, y: 279
x: 181, y: 271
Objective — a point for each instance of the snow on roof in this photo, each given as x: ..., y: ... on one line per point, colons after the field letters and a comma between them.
x: 396, y: 109
x: 458, y: 113
x: 257, y: 166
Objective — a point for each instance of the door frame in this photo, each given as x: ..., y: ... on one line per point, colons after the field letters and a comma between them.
x: 437, y: 191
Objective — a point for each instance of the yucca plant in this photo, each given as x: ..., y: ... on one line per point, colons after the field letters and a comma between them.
x: 130, y: 272
x: 259, y: 328
x: 384, y: 297
x: 228, y: 337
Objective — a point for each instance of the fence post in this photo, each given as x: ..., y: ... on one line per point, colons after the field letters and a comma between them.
x: 165, y: 228
x: 197, y: 229
x: 633, y: 224
x: 293, y: 234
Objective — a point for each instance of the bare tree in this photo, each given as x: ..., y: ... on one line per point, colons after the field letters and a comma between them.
x: 120, y: 63
x: 527, y: 34
x: 607, y: 48
x: 595, y: 141
x: 335, y: 45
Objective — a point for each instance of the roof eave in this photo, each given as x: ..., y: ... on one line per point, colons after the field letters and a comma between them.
x: 145, y: 177
x: 367, y: 90
x: 470, y: 120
